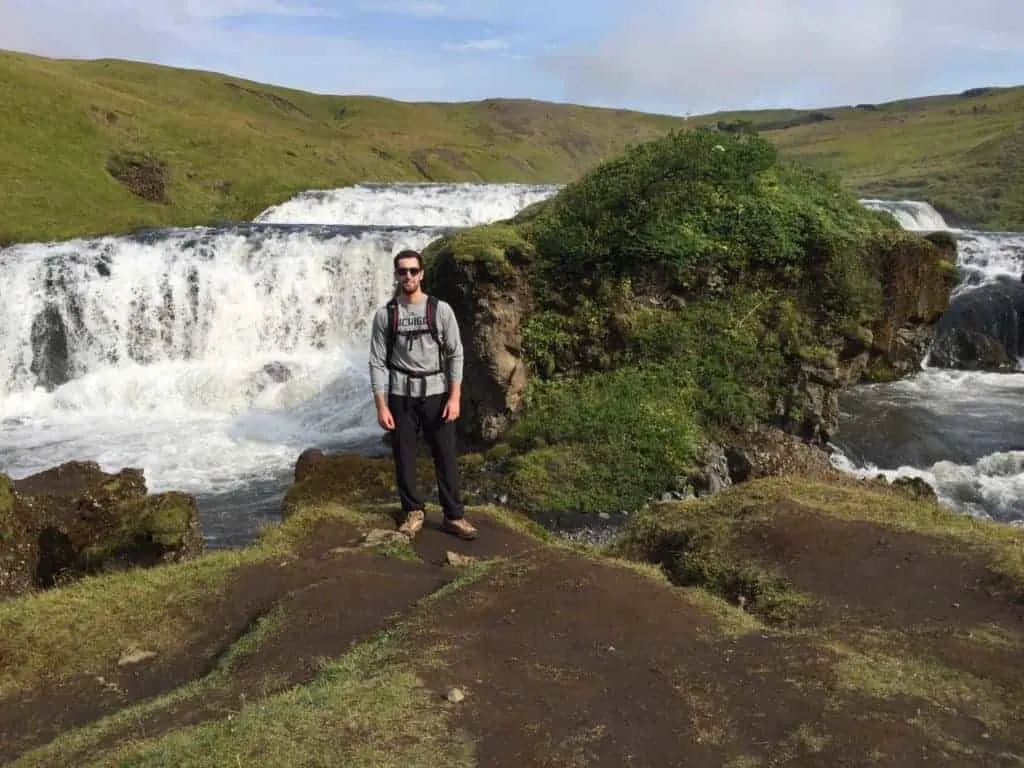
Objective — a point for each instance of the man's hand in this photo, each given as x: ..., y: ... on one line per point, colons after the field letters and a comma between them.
x: 451, y: 409
x: 385, y: 418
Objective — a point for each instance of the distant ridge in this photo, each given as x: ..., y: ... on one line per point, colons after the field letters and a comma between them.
x: 93, y: 147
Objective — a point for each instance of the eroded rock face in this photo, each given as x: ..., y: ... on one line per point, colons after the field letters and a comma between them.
x: 917, y: 277
x: 486, y: 282
x: 490, y: 299
x: 75, y: 519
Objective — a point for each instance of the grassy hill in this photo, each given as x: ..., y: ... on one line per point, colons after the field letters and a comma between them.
x: 204, y: 147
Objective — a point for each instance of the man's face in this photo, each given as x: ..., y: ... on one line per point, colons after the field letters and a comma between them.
x: 409, y: 274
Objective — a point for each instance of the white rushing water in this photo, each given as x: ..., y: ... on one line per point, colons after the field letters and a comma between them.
x: 911, y: 214
x: 210, y: 357
x: 422, y: 205
x: 961, y: 431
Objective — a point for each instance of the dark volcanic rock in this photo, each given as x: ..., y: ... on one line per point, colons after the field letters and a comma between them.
x: 983, y: 329
x: 307, y: 462
x: 50, y: 362
x: 75, y: 519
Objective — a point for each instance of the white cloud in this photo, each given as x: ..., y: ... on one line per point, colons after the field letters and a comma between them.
x: 415, y: 8
x: 129, y: 29
x: 668, y: 55
x: 489, y: 45
x: 738, y: 52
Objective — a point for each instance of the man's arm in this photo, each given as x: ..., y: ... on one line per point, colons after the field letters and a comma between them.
x: 380, y: 377
x: 378, y: 349
x: 452, y: 340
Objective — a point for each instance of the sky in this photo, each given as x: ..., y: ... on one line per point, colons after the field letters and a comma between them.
x: 671, y: 56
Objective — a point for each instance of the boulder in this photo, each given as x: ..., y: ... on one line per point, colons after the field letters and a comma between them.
x: 73, y: 520
x: 307, y: 462
x: 51, y: 361
x: 983, y: 328
x: 766, y: 451
x: 340, y: 478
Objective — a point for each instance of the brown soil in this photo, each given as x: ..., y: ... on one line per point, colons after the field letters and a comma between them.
x: 568, y: 661
x: 921, y: 589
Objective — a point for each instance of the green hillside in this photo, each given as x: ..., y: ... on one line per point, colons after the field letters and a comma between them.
x: 200, y: 147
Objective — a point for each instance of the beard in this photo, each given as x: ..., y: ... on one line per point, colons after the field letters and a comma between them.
x: 408, y: 290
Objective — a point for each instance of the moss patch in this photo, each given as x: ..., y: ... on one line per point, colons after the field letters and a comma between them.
x: 6, y: 508
x: 498, y: 245
x: 341, y: 478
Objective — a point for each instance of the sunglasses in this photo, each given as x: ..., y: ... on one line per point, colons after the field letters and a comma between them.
x: 403, y: 271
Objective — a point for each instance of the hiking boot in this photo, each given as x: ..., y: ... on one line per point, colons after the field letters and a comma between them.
x: 460, y: 528
x: 413, y: 523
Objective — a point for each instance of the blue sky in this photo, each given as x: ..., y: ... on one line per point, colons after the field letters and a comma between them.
x: 679, y: 56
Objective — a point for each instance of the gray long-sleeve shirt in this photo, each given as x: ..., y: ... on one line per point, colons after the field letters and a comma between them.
x: 417, y: 352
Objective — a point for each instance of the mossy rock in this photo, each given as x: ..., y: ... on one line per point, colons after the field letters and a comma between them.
x: 158, y: 528
x: 348, y: 478
x: 497, y: 247
x: 75, y: 519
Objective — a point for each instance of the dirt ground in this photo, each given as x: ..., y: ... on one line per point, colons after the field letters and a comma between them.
x: 567, y: 660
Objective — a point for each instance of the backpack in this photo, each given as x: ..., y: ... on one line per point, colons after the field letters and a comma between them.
x: 431, y: 314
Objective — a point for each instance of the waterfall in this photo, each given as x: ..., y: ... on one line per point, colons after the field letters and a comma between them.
x: 209, y: 357
x: 911, y: 214
x: 959, y: 430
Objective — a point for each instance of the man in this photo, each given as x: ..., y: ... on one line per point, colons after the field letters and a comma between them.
x: 417, y: 384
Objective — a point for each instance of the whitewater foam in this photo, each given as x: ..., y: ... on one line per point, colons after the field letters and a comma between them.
x: 428, y: 205
x: 957, y: 430
x: 913, y: 215
x: 192, y: 295
x: 211, y: 357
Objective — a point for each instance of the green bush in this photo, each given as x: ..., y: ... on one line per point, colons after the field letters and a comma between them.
x: 699, y: 211
x: 609, y: 440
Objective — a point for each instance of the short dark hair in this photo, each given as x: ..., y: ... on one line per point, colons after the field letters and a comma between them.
x: 409, y: 253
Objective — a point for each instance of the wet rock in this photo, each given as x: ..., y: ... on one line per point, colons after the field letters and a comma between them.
x: 51, y: 363
x: 278, y: 373
x: 983, y: 329
x: 307, y: 463
x: 73, y: 520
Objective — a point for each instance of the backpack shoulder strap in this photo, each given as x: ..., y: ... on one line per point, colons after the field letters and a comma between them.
x: 392, y: 310
x: 432, y: 318
x: 432, y: 326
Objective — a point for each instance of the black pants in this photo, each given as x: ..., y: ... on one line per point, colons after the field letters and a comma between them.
x: 412, y: 413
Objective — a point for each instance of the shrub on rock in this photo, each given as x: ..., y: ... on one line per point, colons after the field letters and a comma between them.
x: 697, y: 285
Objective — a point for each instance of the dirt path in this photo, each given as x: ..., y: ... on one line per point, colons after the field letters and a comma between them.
x: 573, y: 663
x: 570, y: 661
